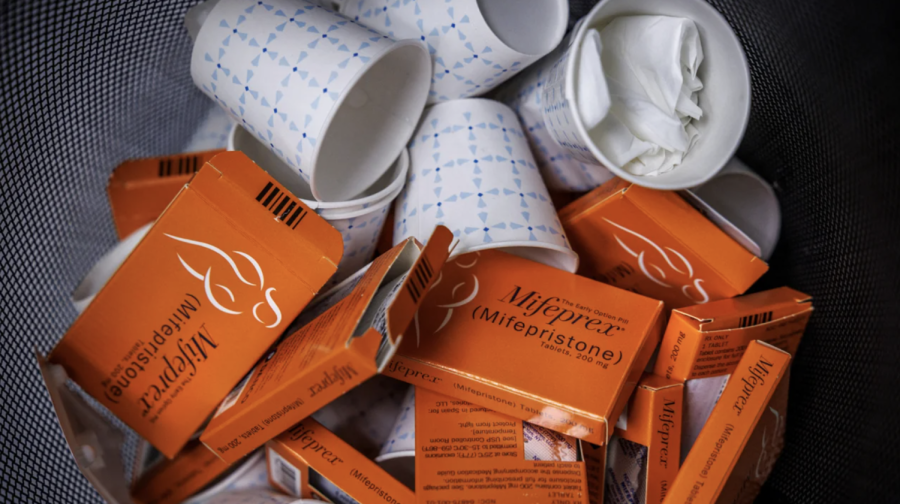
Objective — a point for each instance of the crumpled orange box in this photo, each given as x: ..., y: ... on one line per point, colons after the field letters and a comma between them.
x: 220, y: 275
x: 656, y: 244
x: 345, y: 345
x: 532, y: 342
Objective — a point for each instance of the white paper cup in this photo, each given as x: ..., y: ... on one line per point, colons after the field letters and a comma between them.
x: 475, y: 44
x: 360, y: 220
x: 212, y: 133
x: 471, y: 171
x: 747, y: 201
x: 105, y: 268
x: 335, y: 101
x: 561, y: 171
x: 391, y: 182
x: 251, y: 474
x: 725, y: 97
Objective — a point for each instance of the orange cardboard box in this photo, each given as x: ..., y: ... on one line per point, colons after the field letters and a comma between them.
x: 708, y: 340
x: 466, y: 452
x: 347, y: 344
x: 223, y: 271
x: 652, y: 421
x: 140, y: 189
x: 716, y: 455
x: 308, y: 461
x: 656, y: 244
x: 532, y: 342
x: 172, y: 481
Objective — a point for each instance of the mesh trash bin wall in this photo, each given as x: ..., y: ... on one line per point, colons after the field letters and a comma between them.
x: 86, y: 85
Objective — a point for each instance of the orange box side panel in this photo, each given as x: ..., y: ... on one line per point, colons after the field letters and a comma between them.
x: 464, y: 451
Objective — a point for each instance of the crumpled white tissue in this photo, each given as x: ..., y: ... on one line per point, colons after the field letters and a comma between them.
x: 637, y: 91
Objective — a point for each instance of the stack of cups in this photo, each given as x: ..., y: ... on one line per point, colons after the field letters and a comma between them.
x: 323, y: 104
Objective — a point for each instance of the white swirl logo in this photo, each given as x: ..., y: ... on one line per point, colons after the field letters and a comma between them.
x: 208, y: 284
x: 658, y: 275
x: 453, y: 304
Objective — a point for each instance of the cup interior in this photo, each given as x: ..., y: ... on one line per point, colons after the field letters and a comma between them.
x: 749, y: 203
x: 725, y: 98
x: 372, y: 123
x: 105, y: 268
x: 527, y: 26
x: 243, y: 140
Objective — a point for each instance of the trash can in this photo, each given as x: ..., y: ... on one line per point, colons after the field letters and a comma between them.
x: 86, y: 85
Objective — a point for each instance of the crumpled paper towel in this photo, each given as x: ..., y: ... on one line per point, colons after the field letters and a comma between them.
x: 637, y: 91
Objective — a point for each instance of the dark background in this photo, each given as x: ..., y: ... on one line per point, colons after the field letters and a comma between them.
x: 87, y: 84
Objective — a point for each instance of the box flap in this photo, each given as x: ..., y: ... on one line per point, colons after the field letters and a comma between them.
x: 748, y: 310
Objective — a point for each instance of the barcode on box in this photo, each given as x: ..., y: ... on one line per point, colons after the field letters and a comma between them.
x: 283, y: 473
x: 182, y: 165
x: 759, y: 318
x: 282, y: 205
x: 419, y: 279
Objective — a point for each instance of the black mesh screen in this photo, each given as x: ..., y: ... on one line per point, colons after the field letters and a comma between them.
x: 85, y: 85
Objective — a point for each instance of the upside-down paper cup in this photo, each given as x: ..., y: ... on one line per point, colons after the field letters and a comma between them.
x: 561, y: 170
x: 475, y: 44
x: 746, y: 200
x: 335, y: 101
x: 725, y: 97
x: 359, y: 220
x: 471, y: 171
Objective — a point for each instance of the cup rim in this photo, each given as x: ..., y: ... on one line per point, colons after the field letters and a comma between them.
x: 389, y: 199
x: 397, y: 45
x: 395, y: 455
x: 498, y: 245
x: 659, y: 181
x: 337, y: 206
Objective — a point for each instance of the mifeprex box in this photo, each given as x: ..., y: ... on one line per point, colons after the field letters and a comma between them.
x: 655, y: 243
x: 643, y: 456
x: 718, y: 455
x: 346, y: 344
x: 309, y: 461
x: 532, y: 342
x: 222, y: 272
x: 468, y: 452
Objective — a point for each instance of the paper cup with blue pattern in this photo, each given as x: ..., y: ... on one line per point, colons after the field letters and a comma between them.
x: 725, y: 98
x: 561, y: 170
x: 474, y: 44
x: 471, y: 170
x: 335, y: 101
x: 359, y: 220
